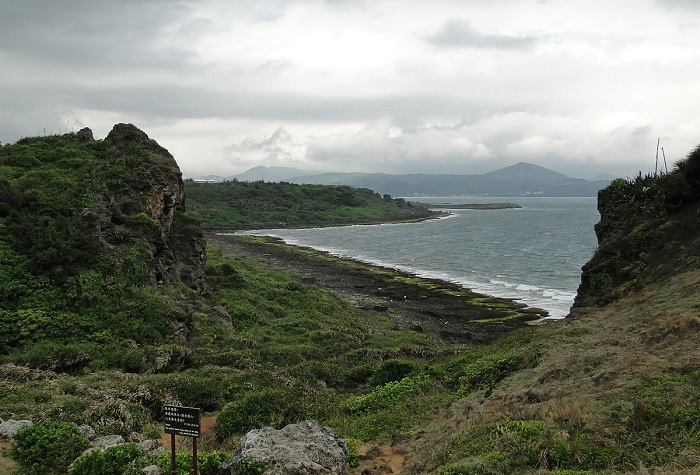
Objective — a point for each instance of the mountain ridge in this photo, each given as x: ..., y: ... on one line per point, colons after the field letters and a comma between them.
x: 520, y: 179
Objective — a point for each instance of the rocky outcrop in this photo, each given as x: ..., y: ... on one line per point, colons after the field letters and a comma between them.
x: 649, y: 229
x: 298, y: 449
x: 150, y: 204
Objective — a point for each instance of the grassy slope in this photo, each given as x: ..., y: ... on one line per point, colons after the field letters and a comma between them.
x: 616, y: 384
x: 290, y: 352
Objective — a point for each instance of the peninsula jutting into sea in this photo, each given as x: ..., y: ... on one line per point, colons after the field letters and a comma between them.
x: 471, y: 205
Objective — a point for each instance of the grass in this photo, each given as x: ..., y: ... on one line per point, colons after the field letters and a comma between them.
x: 614, y: 388
x: 281, y: 349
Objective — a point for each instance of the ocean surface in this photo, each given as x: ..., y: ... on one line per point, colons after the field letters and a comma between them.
x: 533, y: 254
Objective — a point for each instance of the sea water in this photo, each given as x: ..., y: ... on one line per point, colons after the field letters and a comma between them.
x: 531, y: 254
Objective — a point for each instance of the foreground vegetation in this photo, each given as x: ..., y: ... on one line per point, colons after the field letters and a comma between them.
x: 290, y: 352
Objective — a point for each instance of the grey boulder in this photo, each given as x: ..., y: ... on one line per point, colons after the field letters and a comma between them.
x: 305, y: 448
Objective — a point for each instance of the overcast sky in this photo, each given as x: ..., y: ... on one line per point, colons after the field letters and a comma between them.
x: 583, y: 87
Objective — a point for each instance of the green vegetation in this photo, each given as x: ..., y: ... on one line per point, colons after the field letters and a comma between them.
x: 72, y: 294
x: 207, y: 464
x: 116, y: 460
x: 47, y: 448
x: 261, y: 204
x: 89, y: 336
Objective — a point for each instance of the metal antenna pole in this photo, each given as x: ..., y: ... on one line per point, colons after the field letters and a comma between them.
x: 664, y: 154
x: 656, y: 168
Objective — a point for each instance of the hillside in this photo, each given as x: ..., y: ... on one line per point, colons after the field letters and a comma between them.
x: 522, y: 179
x: 258, y: 204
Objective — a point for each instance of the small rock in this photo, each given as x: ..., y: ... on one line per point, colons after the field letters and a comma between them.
x: 108, y: 441
x: 87, y: 432
x: 152, y: 470
x: 9, y: 428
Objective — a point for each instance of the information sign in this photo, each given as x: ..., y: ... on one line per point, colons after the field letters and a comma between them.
x: 182, y: 420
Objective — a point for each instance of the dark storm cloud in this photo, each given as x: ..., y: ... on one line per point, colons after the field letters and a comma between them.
x: 458, y: 34
x: 89, y: 33
x: 195, y: 102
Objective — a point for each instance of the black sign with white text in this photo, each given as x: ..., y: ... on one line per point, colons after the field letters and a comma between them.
x: 182, y: 420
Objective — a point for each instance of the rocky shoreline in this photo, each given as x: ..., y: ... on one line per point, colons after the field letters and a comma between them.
x: 444, y: 308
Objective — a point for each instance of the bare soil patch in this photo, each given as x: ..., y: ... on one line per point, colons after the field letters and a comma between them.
x: 378, y: 458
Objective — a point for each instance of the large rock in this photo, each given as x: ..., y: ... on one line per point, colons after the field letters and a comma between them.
x: 10, y: 427
x: 155, y: 190
x: 298, y: 449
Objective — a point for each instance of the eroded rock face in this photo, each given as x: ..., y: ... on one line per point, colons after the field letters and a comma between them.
x: 306, y: 448
x: 155, y: 189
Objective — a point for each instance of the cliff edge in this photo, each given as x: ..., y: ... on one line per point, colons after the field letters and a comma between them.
x: 649, y: 230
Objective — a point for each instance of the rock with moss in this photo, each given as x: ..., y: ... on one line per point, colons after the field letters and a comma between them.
x: 303, y: 448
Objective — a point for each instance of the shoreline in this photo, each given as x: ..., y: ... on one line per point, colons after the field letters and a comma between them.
x: 322, y: 224
x: 420, y: 304
x: 476, y: 206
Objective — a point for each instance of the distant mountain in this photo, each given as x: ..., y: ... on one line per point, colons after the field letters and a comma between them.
x: 521, y: 179
x: 271, y: 174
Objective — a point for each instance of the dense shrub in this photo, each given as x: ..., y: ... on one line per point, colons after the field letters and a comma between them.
x: 110, y: 461
x: 270, y: 407
x: 47, y: 448
x: 207, y: 464
x: 391, y: 370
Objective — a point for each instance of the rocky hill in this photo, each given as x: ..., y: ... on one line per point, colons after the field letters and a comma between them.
x: 95, y: 243
x: 649, y: 231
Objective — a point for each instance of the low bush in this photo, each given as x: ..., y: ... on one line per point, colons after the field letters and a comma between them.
x: 269, y: 407
x: 391, y: 370
x: 207, y: 464
x: 110, y: 461
x: 47, y: 448
x: 390, y: 394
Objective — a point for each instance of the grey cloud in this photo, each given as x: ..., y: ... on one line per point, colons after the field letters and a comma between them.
x: 194, y: 102
x: 689, y: 4
x: 458, y: 34
x: 279, y: 147
x: 86, y: 33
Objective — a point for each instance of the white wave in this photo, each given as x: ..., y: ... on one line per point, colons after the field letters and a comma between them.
x: 527, y: 288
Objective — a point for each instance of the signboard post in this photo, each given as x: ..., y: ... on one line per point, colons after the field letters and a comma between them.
x: 184, y: 421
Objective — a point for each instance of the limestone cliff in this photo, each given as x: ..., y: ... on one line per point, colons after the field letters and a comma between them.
x: 649, y: 229
x: 154, y: 190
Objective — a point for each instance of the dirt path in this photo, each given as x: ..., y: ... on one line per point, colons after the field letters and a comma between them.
x: 7, y: 465
x: 378, y: 458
